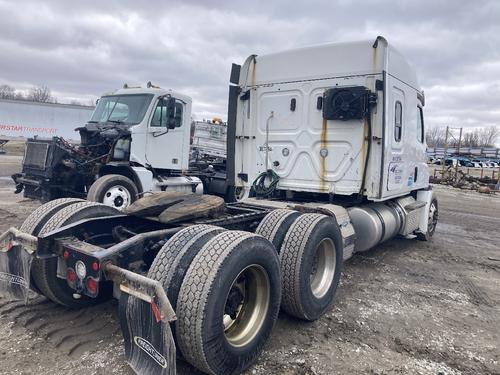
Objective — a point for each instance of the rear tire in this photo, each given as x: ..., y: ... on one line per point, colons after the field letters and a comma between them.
x: 44, y: 271
x: 228, y: 302
x: 37, y: 219
x: 275, y: 225
x: 175, y: 257
x: 311, y: 262
x: 113, y: 190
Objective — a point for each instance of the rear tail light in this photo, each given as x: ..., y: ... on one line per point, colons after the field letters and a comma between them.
x: 71, y: 276
x: 91, y: 285
x: 95, y: 266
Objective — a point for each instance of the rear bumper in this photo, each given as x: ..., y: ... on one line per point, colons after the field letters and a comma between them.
x: 145, y: 312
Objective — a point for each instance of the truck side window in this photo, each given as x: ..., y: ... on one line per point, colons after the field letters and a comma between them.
x: 178, y: 115
x: 160, y: 115
x: 398, y: 121
x: 420, y: 125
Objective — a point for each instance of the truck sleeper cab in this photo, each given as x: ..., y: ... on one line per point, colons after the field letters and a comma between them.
x: 327, y: 159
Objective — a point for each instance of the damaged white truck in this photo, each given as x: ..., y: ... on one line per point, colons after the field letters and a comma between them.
x: 326, y: 153
x: 138, y: 140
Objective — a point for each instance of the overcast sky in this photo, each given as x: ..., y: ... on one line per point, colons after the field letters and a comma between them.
x: 81, y: 49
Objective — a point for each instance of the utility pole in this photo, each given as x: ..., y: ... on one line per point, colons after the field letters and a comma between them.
x: 458, y: 152
x: 443, y: 164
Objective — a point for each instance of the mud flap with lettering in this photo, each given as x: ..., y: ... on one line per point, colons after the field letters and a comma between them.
x: 16, y: 256
x: 149, y: 344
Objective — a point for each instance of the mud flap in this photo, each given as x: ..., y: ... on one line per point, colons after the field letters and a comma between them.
x: 145, y: 315
x: 16, y: 256
x: 149, y: 344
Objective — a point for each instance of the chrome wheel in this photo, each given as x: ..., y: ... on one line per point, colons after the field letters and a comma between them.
x: 246, y: 305
x: 117, y: 196
x: 323, y: 270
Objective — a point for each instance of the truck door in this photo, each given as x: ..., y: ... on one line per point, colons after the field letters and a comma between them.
x: 395, y: 166
x: 165, y: 147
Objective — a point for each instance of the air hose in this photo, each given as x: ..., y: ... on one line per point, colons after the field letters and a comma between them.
x: 259, y: 187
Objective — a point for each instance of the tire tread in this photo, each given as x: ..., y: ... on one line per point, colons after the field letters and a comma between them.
x: 193, y: 296
x: 291, y: 259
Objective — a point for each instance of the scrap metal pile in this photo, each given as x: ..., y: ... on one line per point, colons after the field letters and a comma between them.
x: 460, y: 179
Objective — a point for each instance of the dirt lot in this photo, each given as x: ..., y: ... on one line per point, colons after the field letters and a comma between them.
x: 406, y: 307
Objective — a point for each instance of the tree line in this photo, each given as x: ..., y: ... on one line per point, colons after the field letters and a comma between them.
x: 39, y: 94
x: 480, y: 137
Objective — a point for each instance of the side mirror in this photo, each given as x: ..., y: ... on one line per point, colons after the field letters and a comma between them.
x: 170, y: 103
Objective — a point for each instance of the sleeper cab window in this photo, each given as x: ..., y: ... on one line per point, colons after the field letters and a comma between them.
x: 398, y: 121
x: 420, y: 125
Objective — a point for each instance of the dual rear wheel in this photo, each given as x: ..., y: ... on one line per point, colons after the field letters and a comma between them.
x: 225, y: 286
x: 310, y: 252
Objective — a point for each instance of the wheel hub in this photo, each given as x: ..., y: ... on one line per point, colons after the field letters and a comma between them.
x: 233, y: 303
x: 246, y: 305
x: 117, y: 196
x: 323, y: 269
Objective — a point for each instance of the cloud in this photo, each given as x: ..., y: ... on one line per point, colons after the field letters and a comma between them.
x: 82, y: 49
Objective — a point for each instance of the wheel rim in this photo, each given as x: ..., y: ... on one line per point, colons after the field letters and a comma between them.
x: 246, y: 305
x: 323, y: 269
x: 117, y: 196
x: 433, y: 217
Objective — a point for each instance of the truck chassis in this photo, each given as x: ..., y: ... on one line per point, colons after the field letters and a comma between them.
x: 211, y: 270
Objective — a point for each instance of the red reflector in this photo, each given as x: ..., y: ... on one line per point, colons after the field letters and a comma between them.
x: 95, y: 266
x: 10, y: 245
x: 91, y: 285
x: 156, y: 311
x: 71, y: 276
x: 65, y: 254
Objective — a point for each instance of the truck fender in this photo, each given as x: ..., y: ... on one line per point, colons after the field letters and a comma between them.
x: 137, y: 174
x: 425, y: 196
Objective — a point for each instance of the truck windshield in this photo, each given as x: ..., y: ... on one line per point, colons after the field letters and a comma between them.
x: 121, y: 109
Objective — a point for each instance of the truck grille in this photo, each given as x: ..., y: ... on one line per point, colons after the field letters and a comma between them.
x: 36, y: 155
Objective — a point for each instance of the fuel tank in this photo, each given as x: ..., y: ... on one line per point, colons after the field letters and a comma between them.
x: 375, y: 223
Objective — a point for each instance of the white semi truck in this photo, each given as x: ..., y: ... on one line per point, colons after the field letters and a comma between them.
x: 327, y: 155
x: 137, y: 141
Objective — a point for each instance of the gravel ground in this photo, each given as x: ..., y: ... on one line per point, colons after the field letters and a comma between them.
x: 405, y: 307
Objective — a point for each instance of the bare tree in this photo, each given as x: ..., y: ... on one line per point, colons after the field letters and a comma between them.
x: 488, y: 136
x: 435, y: 136
x: 481, y: 137
x: 7, y: 92
x: 40, y: 94
x: 470, y: 139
